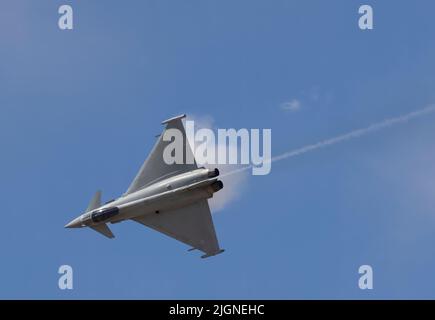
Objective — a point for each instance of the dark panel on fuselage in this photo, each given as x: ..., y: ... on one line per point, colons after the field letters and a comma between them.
x: 104, y: 214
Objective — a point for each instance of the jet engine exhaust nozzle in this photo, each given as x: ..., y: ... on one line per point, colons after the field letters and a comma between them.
x: 213, y: 173
x: 217, y: 185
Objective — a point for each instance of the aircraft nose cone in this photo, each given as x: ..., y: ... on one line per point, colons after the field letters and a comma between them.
x: 76, y: 223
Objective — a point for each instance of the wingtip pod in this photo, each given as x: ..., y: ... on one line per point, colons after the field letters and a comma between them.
x: 181, y: 116
x: 212, y: 254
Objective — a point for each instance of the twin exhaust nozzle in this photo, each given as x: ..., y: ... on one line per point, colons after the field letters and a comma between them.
x: 217, y: 185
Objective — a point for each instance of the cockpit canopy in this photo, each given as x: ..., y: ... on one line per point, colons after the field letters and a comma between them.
x: 104, y: 214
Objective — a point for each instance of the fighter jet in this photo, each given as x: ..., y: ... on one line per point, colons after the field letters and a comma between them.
x: 171, y: 199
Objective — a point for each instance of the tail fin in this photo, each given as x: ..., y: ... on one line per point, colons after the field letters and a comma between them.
x: 95, y: 202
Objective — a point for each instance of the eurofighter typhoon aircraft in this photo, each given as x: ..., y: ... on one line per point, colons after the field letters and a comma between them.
x: 171, y: 199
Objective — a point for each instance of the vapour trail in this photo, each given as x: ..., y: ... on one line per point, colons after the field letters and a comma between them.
x: 347, y: 136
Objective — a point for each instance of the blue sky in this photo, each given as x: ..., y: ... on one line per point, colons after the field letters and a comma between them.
x: 79, y: 111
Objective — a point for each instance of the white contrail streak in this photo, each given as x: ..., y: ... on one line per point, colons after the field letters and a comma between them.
x: 347, y: 136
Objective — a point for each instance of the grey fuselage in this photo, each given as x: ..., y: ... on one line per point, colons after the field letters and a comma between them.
x: 163, y: 195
